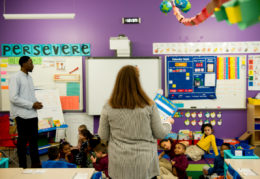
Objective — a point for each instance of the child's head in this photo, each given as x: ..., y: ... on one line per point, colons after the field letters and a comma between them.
x: 224, y: 146
x: 207, y: 129
x: 85, y: 134
x: 81, y: 127
x: 100, y: 149
x: 180, y: 148
x: 53, y: 153
x: 94, y: 141
x: 65, y: 147
x: 165, y: 144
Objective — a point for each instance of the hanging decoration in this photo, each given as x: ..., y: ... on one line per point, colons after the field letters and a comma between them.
x: 200, y: 114
x: 165, y: 6
x: 183, y: 5
x: 243, y: 12
x: 193, y: 122
x: 200, y: 122
x: 193, y: 114
x: 213, y: 122
x: 187, y: 122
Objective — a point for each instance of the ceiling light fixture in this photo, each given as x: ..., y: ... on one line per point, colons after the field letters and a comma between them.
x: 40, y: 16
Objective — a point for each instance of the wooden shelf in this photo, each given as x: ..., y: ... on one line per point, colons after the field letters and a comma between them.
x: 257, y: 143
x: 253, y: 115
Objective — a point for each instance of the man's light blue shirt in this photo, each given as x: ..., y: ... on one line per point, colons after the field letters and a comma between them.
x: 22, y: 96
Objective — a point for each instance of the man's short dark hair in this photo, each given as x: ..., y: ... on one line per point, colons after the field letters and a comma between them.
x: 53, y: 153
x: 23, y: 60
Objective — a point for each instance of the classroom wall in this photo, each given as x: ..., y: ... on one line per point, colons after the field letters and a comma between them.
x: 96, y: 21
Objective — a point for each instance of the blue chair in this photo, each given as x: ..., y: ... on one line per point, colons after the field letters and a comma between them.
x: 57, y: 164
x: 97, y: 175
x: 231, y: 173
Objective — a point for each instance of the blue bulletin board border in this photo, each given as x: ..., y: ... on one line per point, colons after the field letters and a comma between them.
x: 190, y: 77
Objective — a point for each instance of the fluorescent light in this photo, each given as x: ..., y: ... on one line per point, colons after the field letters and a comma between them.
x: 40, y: 16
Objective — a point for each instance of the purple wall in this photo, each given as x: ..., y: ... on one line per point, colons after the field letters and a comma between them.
x: 96, y: 21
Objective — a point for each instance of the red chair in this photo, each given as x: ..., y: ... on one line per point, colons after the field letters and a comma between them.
x: 6, y: 140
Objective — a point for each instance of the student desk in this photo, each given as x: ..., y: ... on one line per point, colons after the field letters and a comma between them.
x: 229, y: 155
x: 9, y: 173
x: 43, y: 173
x: 252, y: 164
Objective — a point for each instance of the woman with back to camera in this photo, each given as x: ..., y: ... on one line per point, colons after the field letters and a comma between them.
x: 130, y: 122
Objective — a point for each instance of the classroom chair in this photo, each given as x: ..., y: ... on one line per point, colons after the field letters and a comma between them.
x: 57, y: 164
x: 232, y: 174
x: 97, y: 175
x: 6, y: 140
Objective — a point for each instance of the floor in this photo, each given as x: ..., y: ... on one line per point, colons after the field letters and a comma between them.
x: 45, y: 157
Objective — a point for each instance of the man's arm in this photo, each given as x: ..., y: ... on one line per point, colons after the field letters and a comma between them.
x: 14, y: 95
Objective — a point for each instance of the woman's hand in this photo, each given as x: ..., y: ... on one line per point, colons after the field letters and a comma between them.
x: 170, y: 120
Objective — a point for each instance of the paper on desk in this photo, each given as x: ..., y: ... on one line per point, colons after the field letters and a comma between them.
x: 247, y: 172
x: 80, y: 176
x: 34, y: 171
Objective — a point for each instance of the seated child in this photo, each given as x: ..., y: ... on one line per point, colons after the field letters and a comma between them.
x: 65, y: 152
x: 168, y: 145
x: 101, y: 154
x: 179, y: 164
x: 80, y: 128
x: 195, y: 152
x: 218, y: 169
x: 54, y: 160
x: 81, y: 157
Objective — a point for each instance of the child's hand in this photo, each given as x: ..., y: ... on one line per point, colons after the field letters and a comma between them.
x: 205, y: 172
x: 173, y: 162
x: 67, y: 154
x: 93, y: 159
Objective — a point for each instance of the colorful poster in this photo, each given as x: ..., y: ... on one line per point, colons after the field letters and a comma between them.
x: 254, y: 72
x: 191, y: 77
x: 228, y: 67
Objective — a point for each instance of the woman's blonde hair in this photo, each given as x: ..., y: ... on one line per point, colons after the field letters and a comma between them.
x: 128, y: 92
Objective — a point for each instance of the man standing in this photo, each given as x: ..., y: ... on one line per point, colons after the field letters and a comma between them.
x: 23, y: 109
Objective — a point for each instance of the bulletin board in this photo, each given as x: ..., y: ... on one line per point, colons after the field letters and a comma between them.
x: 254, y: 72
x: 230, y: 86
x: 191, y: 77
x: 61, y: 73
x: 101, y: 75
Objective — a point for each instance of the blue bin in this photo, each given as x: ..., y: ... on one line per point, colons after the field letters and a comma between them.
x: 219, y: 142
x: 246, y: 151
x: 257, y: 126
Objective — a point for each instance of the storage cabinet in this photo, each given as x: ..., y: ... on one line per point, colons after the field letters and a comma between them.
x: 253, y: 123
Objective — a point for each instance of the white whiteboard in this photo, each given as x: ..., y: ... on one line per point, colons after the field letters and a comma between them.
x: 231, y: 93
x: 43, y: 76
x: 101, y: 75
